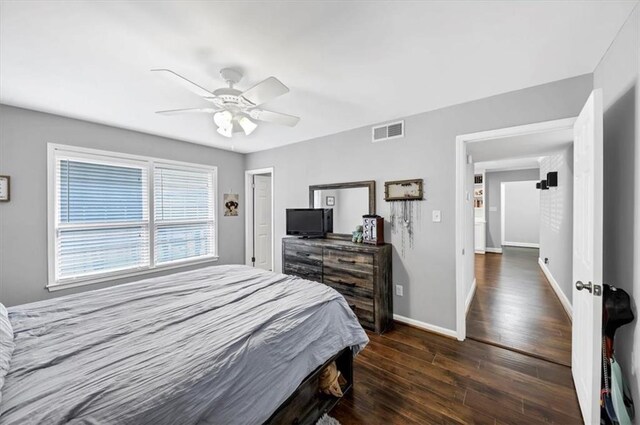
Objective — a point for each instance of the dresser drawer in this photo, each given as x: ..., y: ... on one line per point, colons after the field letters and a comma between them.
x: 352, y: 260
x: 303, y: 254
x: 304, y: 271
x: 347, y: 278
x: 363, y: 308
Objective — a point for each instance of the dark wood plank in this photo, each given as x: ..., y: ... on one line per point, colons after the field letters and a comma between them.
x: 516, y: 308
x: 408, y: 376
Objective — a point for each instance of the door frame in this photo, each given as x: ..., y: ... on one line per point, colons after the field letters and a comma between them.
x: 248, y: 226
x: 461, y: 226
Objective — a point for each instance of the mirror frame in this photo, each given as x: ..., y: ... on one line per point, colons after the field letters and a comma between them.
x: 370, y: 184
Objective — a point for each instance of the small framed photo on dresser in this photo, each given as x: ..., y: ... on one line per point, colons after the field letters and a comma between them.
x: 5, y: 189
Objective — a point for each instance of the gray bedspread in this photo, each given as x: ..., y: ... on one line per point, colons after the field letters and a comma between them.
x: 218, y: 345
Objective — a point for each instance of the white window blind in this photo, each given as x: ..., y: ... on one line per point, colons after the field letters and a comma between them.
x: 102, y: 224
x: 184, y: 214
x: 109, y: 217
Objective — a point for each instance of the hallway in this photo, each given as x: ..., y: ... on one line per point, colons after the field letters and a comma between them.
x: 515, y: 307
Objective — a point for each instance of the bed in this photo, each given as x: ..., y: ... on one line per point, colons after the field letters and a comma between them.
x: 217, y: 345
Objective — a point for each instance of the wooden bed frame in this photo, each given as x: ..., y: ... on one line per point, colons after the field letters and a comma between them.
x: 307, y: 404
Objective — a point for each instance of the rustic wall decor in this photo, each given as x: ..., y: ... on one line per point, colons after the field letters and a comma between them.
x: 404, y: 210
x: 403, y: 190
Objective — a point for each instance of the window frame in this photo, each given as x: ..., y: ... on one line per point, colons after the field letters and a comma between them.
x: 54, y: 151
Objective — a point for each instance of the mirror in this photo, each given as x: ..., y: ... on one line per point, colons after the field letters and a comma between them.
x: 349, y: 201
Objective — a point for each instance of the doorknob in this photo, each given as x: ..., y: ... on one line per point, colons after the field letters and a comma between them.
x: 580, y: 286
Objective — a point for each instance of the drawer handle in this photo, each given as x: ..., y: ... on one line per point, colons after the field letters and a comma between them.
x: 342, y: 282
x: 306, y: 254
x: 340, y: 260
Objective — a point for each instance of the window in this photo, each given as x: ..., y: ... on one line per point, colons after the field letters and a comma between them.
x: 112, y: 215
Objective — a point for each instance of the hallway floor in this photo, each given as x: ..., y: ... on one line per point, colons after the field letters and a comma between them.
x: 515, y: 307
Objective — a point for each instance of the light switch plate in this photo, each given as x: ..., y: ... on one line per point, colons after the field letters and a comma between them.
x: 493, y: 209
x: 436, y: 216
x: 399, y: 290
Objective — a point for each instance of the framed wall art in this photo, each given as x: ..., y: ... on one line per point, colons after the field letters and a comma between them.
x: 403, y: 190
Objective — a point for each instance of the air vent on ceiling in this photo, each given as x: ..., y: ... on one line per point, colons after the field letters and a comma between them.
x: 388, y: 131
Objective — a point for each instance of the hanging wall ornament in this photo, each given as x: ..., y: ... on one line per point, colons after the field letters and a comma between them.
x: 403, y: 195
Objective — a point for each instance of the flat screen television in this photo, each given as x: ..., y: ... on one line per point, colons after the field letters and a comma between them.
x: 309, y: 222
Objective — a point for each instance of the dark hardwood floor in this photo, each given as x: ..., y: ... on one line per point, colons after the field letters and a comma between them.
x: 409, y: 376
x: 516, y: 308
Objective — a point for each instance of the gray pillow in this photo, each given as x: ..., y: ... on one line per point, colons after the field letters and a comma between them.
x: 6, y: 345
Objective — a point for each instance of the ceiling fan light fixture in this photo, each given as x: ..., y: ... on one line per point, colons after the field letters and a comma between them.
x: 247, y: 125
x: 223, y: 118
x: 226, y: 131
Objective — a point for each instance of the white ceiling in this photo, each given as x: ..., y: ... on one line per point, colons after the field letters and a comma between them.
x: 348, y: 64
x: 523, y: 146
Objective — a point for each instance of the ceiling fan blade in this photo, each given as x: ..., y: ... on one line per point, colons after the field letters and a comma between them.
x: 264, y: 91
x: 187, y: 111
x: 189, y: 85
x: 274, y: 117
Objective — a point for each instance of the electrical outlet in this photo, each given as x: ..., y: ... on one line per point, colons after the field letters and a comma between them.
x: 436, y: 216
x: 399, y: 290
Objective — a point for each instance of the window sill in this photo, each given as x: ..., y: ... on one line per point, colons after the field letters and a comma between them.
x: 52, y: 287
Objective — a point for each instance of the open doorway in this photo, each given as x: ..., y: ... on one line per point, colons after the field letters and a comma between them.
x: 522, y: 235
x: 259, y: 228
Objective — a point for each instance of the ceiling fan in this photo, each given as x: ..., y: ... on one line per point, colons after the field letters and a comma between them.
x: 234, y: 110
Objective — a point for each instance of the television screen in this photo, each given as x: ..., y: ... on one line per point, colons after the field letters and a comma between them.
x: 306, y: 222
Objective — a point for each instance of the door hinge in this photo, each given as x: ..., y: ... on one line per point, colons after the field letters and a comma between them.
x: 253, y: 260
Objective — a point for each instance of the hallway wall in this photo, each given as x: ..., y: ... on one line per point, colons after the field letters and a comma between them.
x: 493, y: 200
x: 556, y: 220
x: 521, y: 213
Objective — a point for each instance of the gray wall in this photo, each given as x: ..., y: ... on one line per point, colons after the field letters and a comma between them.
x: 618, y: 76
x: 493, y: 199
x: 427, y: 151
x: 24, y: 135
x: 521, y: 213
x: 556, y: 219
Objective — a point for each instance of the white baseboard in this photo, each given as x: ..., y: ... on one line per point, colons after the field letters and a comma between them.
x: 494, y: 250
x: 556, y: 288
x: 479, y: 251
x: 426, y: 326
x: 522, y: 244
x: 472, y: 292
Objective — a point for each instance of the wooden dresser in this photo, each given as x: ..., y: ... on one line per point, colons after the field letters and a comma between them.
x: 360, y: 272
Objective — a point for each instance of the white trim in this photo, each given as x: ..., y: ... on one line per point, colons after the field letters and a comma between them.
x: 248, y: 222
x: 503, y: 190
x: 146, y: 162
x: 494, y: 250
x: 566, y: 304
x: 461, y: 160
x: 521, y: 244
x: 472, y: 292
x: 116, y: 276
x: 480, y: 251
x: 426, y: 326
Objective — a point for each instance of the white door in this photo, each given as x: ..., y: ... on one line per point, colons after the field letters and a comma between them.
x: 262, y: 221
x: 587, y: 257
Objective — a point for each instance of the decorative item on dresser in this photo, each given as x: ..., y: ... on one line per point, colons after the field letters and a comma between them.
x: 373, y: 226
x: 360, y: 272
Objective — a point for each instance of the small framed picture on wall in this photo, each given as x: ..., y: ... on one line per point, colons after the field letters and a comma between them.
x: 5, y: 189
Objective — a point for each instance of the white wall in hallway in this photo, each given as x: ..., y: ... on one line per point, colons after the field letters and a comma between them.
x: 521, y: 213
